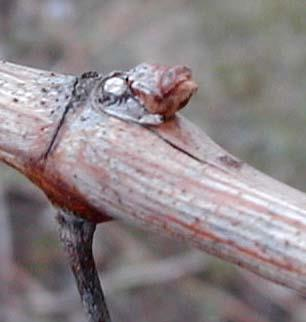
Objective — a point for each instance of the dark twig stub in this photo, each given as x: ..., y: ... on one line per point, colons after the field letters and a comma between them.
x: 76, y: 235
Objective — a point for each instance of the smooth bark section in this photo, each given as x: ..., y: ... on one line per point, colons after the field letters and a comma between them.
x: 76, y: 236
x: 172, y: 179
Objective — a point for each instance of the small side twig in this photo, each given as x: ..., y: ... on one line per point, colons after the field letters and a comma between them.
x: 76, y: 236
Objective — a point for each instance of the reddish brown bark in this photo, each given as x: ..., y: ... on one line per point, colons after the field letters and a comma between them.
x: 170, y: 178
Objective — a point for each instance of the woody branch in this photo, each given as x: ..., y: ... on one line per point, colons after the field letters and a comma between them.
x: 171, y: 178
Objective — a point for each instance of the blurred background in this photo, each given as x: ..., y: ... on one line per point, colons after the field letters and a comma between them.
x: 249, y: 58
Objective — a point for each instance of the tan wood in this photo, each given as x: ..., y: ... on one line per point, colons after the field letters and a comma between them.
x: 172, y: 179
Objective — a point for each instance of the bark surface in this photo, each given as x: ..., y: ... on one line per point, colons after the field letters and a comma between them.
x: 170, y: 178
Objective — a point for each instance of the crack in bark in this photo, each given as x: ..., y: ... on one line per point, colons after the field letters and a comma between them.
x: 176, y: 147
x: 229, y: 163
x: 61, y: 122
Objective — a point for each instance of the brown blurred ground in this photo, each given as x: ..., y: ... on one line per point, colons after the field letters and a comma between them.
x: 249, y: 57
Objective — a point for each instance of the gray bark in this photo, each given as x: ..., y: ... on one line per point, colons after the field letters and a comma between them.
x: 171, y: 178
